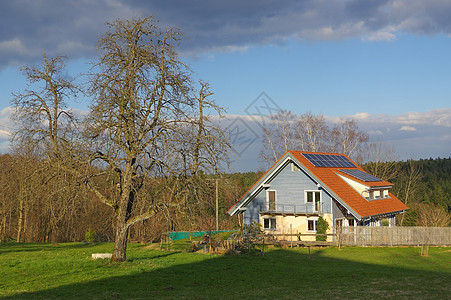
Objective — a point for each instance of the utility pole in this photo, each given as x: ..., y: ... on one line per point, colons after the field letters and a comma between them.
x: 217, y: 202
x: 217, y: 205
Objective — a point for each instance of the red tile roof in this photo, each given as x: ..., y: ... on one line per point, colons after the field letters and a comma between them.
x: 348, y: 194
x: 334, y: 183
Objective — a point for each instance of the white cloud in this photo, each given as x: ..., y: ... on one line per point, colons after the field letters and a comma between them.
x: 375, y: 132
x: 14, y: 46
x: 4, y: 134
x: 6, y: 128
x: 439, y: 117
x: 381, y: 36
x: 436, y: 117
x: 407, y: 128
x: 361, y: 116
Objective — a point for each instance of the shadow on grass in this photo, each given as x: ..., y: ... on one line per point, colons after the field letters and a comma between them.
x: 9, y: 247
x: 290, y: 274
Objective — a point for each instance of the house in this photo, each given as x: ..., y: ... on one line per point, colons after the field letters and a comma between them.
x: 302, y: 186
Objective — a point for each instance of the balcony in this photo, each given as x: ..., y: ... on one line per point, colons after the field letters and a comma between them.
x: 292, y: 209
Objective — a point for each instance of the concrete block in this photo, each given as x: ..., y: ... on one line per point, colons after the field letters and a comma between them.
x: 101, y: 255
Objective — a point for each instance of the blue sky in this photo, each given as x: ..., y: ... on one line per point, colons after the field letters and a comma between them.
x: 386, y: 64
x: 336, y: 77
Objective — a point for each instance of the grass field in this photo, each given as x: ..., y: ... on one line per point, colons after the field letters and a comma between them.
x: 65, y: 271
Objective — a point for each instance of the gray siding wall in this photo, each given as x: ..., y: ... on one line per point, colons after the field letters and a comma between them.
x: 289, y: 186
x: 253, y: 209
x: 337, y: 212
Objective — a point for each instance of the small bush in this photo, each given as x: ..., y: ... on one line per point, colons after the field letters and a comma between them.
x: 90, y: 236
x: 321, y: 228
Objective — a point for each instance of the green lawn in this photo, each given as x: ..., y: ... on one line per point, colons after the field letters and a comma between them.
x: 65, y: 271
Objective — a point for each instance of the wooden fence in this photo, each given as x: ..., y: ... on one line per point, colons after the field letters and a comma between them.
x: 394, y: 236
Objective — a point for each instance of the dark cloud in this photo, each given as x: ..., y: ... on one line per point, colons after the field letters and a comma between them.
x: 71, y: 28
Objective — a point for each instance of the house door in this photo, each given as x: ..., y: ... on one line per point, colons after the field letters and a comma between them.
x: 317, y: 202
x: 271, y: 200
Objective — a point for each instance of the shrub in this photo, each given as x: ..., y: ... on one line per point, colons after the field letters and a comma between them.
x: 321, y: 228
x: 90, y: 236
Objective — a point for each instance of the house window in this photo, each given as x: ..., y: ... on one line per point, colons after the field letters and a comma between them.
x: 351, y: 222
x: 271, y: 199
x: 269, y: 223
x: 314, y: 197
x: 311, y: 225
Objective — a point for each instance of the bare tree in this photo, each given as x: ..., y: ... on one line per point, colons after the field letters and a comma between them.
x: 381, y: 160
x: 210, y: 145
x: 312, y: 133
x: 347, y: 137
x: 142, y: 105
x: 8, y: 206
x: 407, y: 188
x: 42, y: 114
x: 46, y: 128
x: 433, y: 216
x: 145, y: 117
x: 279, y: 136
x: 309, y: 132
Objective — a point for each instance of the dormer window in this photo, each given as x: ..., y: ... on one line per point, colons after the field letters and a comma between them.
x: 375, y: 194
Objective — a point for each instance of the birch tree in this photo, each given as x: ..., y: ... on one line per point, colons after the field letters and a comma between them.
x: 280, y: 136
x: 347, y: 137
x: 312, y: 133
x: 309, y: 132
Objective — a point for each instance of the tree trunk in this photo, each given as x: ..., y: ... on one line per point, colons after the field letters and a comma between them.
x: 3, y: 231
x: 20, y: 221
x: 120, y: 244
x: 123, y: 214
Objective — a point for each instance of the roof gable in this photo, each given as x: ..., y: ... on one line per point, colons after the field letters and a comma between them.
x: 332, y: 181
x: 330, y: 177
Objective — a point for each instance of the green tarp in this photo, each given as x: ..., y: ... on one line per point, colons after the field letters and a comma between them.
x: 180, y: 235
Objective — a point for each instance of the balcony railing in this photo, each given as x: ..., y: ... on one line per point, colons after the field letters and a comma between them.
x: 308, y: 208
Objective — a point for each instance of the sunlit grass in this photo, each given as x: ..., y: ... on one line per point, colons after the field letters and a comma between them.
x: 66, y: 271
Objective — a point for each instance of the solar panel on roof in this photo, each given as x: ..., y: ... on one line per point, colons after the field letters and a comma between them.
x: 329, y: 160
x: 360, y: 175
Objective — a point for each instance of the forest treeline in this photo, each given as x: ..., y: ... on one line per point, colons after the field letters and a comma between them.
x: 43, y: 210
x: 430, y: 191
